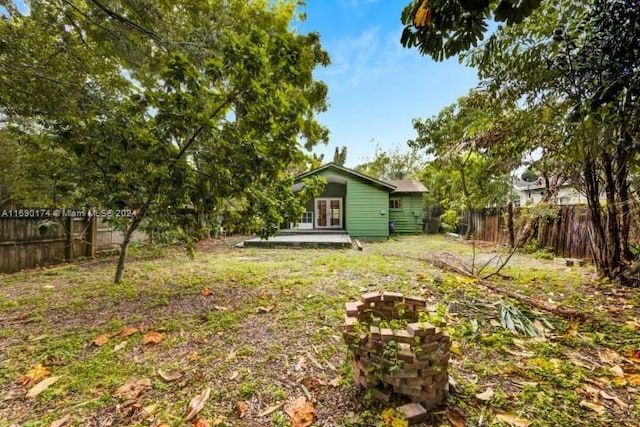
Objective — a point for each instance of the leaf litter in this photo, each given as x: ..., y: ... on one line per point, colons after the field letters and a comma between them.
x: 506, y: 356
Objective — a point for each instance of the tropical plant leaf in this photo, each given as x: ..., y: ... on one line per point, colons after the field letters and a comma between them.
x: 515, y: 320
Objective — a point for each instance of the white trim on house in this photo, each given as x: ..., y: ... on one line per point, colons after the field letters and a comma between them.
x: 330, y: 213
x: 305, y: 223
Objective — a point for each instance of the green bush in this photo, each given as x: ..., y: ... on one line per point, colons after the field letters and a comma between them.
x: 449, y: 220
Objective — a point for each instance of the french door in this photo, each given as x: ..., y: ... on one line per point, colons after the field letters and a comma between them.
x: 328, y: 213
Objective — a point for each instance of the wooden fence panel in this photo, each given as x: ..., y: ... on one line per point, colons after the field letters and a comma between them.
x: 35, y: 242
x: 566, y: 232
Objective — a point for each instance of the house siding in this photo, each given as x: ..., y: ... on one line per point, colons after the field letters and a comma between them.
x: 365, y: 206
x: 408, y: 219
x: 331, y: 190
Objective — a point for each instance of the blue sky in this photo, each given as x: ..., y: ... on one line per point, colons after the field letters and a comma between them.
x: 376, y: 87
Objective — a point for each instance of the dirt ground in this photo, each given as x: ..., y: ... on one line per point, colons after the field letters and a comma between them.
x: 249, y: 331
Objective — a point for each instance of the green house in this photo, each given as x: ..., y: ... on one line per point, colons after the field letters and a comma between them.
x: 363, y: 206
x: 405, y: 206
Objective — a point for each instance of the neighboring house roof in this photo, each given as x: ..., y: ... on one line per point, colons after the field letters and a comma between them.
x: 408, y: 186
x: 347, y: 171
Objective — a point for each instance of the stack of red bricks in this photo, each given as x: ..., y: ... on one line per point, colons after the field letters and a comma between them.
x: 411, y: 361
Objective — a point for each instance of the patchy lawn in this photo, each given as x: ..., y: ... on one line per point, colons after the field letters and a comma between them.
x: 250, y: 330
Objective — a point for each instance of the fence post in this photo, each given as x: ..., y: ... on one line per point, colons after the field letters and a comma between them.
x: 68, y: 244
x: 92, y: 236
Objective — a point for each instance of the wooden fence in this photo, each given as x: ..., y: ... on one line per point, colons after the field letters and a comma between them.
x: 565, y: 230
x: 34, y: 242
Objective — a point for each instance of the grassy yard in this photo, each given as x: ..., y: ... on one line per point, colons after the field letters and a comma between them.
x: 258, y: 328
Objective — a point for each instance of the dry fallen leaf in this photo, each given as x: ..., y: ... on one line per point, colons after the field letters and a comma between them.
x: 194, y: 356
x: 171, y: 376
x: 455, y: 348
x: 336, y: 381
x: 152, y: 338
x: 301, y: 411
x: 571, y: 331
x: 119, y: 347
x: 512, y: 419
x: 53, y: 360
x: 200, y: 422
x: 270, y: 410
x: 240, y: 409
x: 197, y: 403
x: 609, y: 356
x: 616, y: 399
x: 132, y: 389
x: 231, y: 355
x: 206, y: 292
x: 633, y: 378
x: 33, y: 375
x: 149, y: 409
x: 62, y: 422
x: 126, y: 332
x: 596, y: 407
x: 522, y: 354
x: 617, y: 371
x: 265, y: 309
x: 455, y: 419
x: 221, y: 308
x: 486, y: 395
x: 590, y: 391
x: 234, y: 375
x: 41, y: 386
x: 100, y: 340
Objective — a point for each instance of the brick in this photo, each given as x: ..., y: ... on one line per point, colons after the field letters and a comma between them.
x: 349, y: 323
x: 419, y: 381
x: 413, y: 412
x: 417, y: 364
x: 371, y: 297
x: 406, y: 355
x: 364, y: 338
x: 375, y: 332
x: 403, y: 336
x: 405, y: 373
x: 353, y: 308
x: 408, y: 390
x: 427, y: 350
x: 396, y: 382
x: 417, y: 301
x: 386, y: 334
x: 420, y: 329
x: 381, y: 396
x: 392, y: 296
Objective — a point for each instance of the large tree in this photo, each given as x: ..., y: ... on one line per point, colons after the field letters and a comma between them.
x: 465, y: 143
x: 393, y: 164
x: 445, y: 28
x: 161, y: 105
x: 573, y: 65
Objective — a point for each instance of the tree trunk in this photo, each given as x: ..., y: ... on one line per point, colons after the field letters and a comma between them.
x: 532, y: 223
x: 613, y: 230
x: 597, y: 233
x: 124, y: 246
x: 510, y: 228
x: 622, y: 187
x: 470, y: 232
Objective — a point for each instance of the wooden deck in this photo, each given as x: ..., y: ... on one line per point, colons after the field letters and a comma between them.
x: 304, y: 239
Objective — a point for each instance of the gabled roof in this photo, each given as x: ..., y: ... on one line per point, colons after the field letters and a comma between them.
x: 408, y: 186
x: 349, y: 172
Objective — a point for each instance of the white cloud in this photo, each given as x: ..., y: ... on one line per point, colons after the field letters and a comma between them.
x: 369, y: 56
x: 356, y: 3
